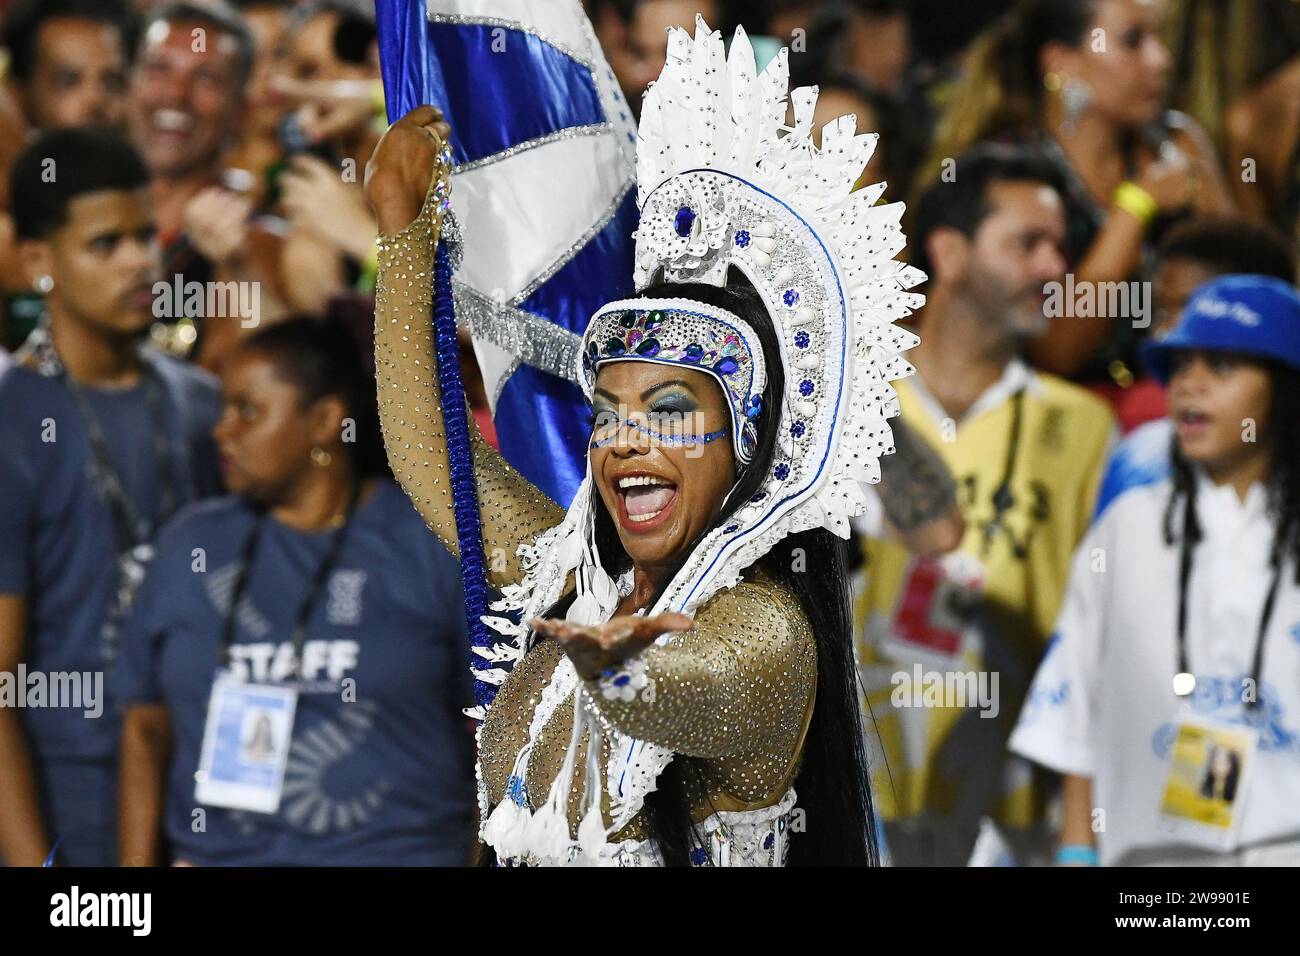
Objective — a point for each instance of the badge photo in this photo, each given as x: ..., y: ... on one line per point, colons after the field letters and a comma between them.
x: 1209, y: 769
x: 245, y: 745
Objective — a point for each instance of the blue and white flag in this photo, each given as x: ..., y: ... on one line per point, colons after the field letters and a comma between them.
x: 544, y: 146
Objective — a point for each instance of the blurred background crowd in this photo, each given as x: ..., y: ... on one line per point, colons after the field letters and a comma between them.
x: 1090, y: 143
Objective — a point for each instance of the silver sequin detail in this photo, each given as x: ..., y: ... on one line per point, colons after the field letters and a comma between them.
x: 533, y: 339
x: 460, y: 19
x: 610, y: 211
x: 571, y: 132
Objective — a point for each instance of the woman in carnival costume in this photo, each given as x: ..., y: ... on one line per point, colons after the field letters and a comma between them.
x: 680, y: 687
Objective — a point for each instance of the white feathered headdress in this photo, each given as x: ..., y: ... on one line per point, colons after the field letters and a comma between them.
x: 723, y: 182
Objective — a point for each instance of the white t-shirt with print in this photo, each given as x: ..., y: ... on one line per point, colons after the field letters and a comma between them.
x: 1102, y: 703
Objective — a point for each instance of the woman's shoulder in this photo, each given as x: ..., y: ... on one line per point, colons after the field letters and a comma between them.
x: 225, y: 513
x: 761, y: 603
x: 208, y: 530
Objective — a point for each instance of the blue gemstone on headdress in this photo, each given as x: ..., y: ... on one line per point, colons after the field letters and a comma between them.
x: 796, y: 429
x: 614, y: 347
x: 730, y: 528
x: 726, y: 365
x: 790, y: 297
x: 593, y: 349
x: 627, y: 320
x: 683, y: 221
x: 806, y: 387
x: 653, y: 320
x: 801, y: 339
x: 622, y: 679
x: 781, y: 471
x: 742, y: 237
x: 692, y: 352
x: 754, y: 406
x: 699, y: 856
x: 768, y: 841
x: 758, y: 497
x: 648, y: 347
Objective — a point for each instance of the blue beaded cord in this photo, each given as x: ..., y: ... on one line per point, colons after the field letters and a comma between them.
x: 469, y: 531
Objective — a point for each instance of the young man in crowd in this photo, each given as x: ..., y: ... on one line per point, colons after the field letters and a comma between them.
x: 68, y: 62
x: 948, y: 646
x: 102, y: 439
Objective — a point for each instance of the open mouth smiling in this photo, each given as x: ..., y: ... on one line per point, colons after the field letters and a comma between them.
x: 645, y: 500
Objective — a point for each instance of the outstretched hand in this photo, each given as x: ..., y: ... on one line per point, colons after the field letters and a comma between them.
x: 596, y: 648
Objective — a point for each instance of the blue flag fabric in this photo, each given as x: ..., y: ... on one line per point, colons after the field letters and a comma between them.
x: 543, y: 191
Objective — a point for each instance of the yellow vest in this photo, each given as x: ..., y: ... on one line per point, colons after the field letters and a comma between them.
x: 935, y: 757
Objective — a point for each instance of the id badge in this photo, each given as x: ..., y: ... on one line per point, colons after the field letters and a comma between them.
x: 935, y: 608
x: 245, y: 745
x: 1206, y: 782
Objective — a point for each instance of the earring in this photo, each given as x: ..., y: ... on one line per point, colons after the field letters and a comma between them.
x: 44, y: 284
x: 1052, y: 82
x: 320, y: 457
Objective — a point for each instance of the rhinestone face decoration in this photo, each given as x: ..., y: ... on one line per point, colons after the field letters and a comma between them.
x: 691, y: 334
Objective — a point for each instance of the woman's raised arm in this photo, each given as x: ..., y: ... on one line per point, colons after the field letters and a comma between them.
x: 403, y: 179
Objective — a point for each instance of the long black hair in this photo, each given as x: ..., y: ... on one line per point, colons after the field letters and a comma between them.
x: 832, y: 783
x: 1282, y: 483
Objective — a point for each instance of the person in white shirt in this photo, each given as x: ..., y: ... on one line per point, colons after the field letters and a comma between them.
x: 1170, y: 694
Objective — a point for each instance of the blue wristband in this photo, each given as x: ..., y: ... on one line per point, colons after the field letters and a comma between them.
x: 1077, y: 854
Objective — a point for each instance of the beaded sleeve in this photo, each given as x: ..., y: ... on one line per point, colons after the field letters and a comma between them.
x: 740, y: 682
x: 513, y: 510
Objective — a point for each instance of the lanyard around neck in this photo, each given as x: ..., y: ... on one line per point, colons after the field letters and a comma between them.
x: 1186, y: 558
x: 1003, y: 498
x: 130, y: 526
x: 251, y: 544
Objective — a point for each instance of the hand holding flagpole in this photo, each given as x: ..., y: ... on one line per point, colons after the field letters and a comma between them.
x: 401, y: 168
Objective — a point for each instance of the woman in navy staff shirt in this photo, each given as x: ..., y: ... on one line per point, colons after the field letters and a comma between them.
x: 319, y: 576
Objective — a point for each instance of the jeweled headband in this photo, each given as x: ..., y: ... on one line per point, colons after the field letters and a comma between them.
x: 687, y: 333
